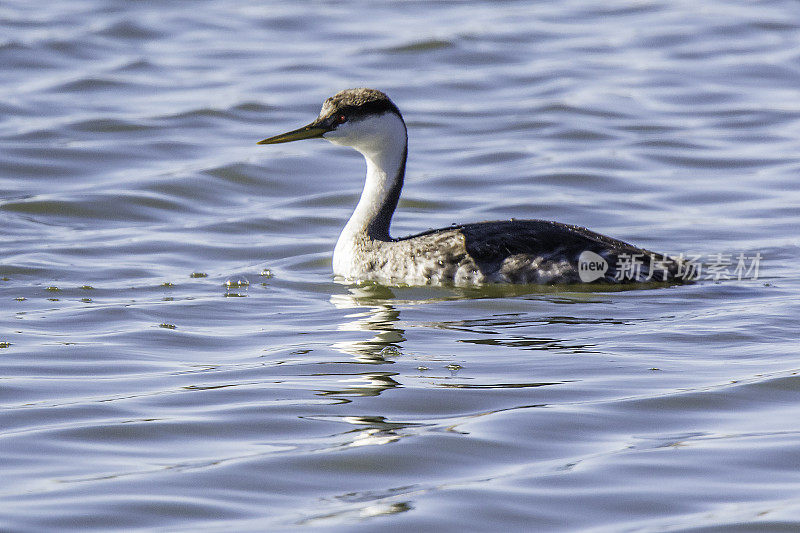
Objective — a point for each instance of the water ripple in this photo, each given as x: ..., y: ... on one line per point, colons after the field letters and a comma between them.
x: 176, y: 354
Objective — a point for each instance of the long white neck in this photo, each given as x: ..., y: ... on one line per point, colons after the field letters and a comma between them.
x: 373, y: 214
x: 383, y: 142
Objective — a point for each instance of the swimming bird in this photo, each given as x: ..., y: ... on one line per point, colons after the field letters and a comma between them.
x: 508, y: 251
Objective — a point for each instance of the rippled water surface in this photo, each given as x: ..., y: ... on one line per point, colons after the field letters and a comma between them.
x: 176, y: 355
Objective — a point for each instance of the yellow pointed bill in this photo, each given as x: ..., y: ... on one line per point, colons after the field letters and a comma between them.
x: 312, y: 131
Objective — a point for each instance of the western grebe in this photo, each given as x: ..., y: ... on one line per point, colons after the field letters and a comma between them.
x: 509, y: 251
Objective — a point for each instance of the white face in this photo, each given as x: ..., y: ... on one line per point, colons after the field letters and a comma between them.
x: 369, y: 134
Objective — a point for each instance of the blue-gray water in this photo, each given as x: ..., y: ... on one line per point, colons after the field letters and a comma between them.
x: 175, y: 354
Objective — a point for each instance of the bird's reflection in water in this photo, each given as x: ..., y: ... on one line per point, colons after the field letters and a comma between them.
x: 372, y: 430
x: 376, y: 311
x: 371, y: 313
x: 374, y: 314
x: 361, y: 384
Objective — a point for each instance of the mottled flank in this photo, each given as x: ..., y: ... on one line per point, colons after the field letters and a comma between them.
x: 434, y: 258
x: 539, y: 251
x: 516, y: 251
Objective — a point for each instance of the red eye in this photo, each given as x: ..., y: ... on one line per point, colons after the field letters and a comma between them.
x: 341, y: 119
